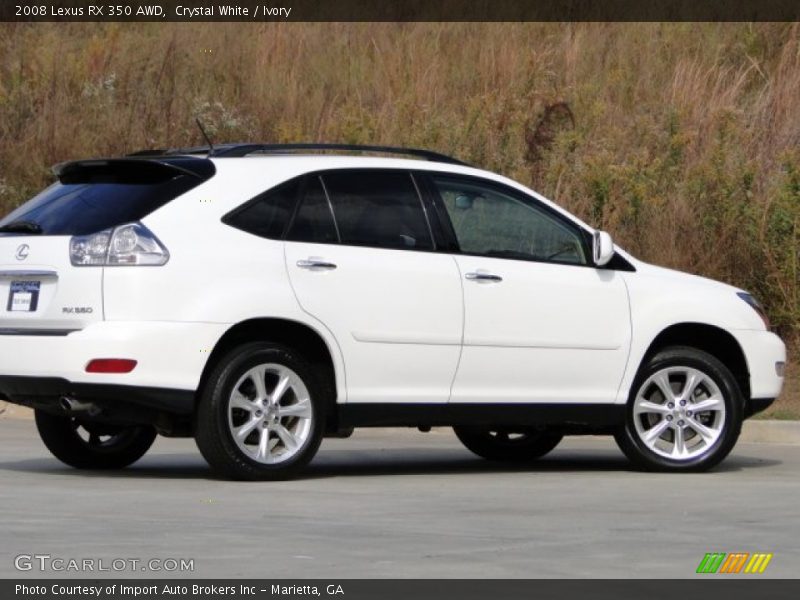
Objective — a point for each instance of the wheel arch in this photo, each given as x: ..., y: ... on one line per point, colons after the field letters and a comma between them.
x: 709, y: 338
x: 299, y: 336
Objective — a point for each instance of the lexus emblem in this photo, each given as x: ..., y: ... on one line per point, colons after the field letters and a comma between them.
x: 22, y: 252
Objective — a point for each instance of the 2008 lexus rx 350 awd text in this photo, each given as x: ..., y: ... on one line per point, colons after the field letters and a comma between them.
x: 261, y: 297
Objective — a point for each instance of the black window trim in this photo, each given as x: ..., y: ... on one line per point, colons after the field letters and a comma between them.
x: 618, y: 263
x: 305, y: 178
x: 440, y: 228
x: 330, y: 205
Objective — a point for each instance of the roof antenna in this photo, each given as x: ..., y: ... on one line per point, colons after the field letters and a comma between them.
x: 205, y: 135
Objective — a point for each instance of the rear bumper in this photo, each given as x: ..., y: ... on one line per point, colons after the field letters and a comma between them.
x: 170, y: 355
x: 125, y: 403
x: 38, y: 370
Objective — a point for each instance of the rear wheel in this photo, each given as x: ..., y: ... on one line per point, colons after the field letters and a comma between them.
x: 508, y: 444
x: 684, y: 414
x: 261, y: 415
x: 88, y: 445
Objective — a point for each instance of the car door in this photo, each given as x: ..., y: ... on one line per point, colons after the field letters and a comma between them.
x: 542, y: 324
x: 360, y: 256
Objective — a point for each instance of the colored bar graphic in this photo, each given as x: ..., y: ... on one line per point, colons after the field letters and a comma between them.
x: 720, y: 562
x: 734, y: 562
x: 758, y: 563
x: 711, y: 562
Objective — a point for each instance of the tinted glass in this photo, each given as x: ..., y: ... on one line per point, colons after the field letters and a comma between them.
x: 268, y: 214
x: 490, y: 222
x: 378, y: 208
x: 95, y: 199
x: 314, y: 221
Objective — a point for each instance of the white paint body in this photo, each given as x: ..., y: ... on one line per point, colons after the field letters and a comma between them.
x: 401, y: 326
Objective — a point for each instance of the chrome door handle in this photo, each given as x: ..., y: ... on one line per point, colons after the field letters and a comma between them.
x: 315, y: 263
x: 483, y: 276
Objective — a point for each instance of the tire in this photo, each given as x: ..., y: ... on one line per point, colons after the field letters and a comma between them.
x: 665, y: 427
x: 233, y: 400
x: 508, y: 445
x: 87, y: 445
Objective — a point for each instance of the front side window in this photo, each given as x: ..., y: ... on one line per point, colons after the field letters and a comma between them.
x: 377, y: 208
x: 489, y: 222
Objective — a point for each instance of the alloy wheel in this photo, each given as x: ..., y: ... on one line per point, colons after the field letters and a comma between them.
x: 679, y: 413
x: 270, y: 414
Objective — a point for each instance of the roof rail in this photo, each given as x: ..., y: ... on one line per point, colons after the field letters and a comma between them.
x: 239, y: 150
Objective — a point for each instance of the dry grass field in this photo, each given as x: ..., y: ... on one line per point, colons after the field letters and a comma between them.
x: 682, y: 139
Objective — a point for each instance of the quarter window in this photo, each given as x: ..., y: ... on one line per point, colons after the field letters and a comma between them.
x: 268, y: 214
x: 489, y: 222
x: 378, y: 208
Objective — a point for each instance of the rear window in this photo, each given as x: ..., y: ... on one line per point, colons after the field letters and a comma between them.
x: 99, y: 196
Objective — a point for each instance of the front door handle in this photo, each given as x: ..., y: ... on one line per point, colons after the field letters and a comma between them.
x: 483, y: 276
x: 315, y: 264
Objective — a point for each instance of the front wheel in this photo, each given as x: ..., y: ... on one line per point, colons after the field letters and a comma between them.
x: 508, y: 444
x: 261, y: 415
x: 88, y: 445
x: 684, y: 413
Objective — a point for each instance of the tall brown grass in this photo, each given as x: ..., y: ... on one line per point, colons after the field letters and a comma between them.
x: 683, y: 140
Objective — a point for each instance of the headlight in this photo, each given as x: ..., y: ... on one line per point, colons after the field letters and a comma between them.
x: 756, y: 306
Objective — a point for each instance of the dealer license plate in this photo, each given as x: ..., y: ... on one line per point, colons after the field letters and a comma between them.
x: 23, y: 296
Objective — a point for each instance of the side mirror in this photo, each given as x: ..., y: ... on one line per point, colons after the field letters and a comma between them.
x: 603, y: 248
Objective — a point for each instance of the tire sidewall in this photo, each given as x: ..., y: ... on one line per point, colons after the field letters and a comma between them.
x: 637, y: 450
x: 213, y: 412
x: 480, y: 442
x: 63, y: 442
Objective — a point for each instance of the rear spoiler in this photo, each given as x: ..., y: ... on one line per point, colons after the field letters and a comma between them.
x: 201, y: 168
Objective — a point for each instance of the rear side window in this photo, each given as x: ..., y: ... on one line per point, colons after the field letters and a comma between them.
x: 103, y: 195
x: 314, y: 220
x: 378, y: 208
x: 268, y: 214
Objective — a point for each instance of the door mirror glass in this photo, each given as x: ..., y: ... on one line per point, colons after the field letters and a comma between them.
x: 603, y: 248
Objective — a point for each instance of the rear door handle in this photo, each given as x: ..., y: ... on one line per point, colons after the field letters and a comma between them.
x: 315, y: 264
x: 481, y: 276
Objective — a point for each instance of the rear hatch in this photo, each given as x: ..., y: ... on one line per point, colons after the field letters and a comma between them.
x: 41, y: 290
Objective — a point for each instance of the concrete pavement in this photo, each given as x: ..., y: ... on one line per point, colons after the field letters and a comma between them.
x: 398, y: 503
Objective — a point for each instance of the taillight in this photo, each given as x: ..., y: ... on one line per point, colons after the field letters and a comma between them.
x: 111, y: 365
x: 131, y: 244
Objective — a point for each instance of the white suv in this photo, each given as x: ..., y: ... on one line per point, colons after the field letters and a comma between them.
x: 261, y: 297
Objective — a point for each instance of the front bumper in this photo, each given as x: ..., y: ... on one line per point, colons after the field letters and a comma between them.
x: 763, y: 351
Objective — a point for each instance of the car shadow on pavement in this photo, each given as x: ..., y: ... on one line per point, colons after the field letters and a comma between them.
x: 380, y: 462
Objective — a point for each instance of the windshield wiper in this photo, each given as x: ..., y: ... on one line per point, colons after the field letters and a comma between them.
x: 21, y: 227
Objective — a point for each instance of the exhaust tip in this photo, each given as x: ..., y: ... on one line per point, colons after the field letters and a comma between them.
x: 72, y: 406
